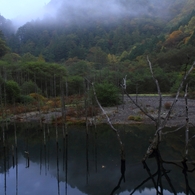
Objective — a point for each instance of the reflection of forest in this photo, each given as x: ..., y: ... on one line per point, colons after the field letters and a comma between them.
x: 93, y: 164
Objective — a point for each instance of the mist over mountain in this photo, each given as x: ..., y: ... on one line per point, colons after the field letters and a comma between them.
x: 102, y: 8
x: 6, y: 26
x: 86, y: 10
x: 125, y: 28
x: 108, y: 37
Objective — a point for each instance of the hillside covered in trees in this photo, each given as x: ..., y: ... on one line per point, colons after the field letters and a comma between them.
x: 100, y: 41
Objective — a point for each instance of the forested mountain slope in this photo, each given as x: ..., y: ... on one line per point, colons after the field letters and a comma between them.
x: 114, y: 37
x: 113, y: 26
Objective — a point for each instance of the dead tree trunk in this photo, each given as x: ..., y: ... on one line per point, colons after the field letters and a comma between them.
x: 109, y: 122
x: 187, y: 122
x: 160, y: 124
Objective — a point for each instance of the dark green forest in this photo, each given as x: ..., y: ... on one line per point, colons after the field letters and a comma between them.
x: 44, y: 54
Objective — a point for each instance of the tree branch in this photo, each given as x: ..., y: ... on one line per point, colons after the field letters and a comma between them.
x: 138, y: 106
x: 159, y: 125
x: 109, y: 122
x: 177, y: 95
x: 165, y: 133
x: 159, y: 93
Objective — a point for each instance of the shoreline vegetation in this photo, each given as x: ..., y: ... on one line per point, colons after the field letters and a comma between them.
x: 45, y: 110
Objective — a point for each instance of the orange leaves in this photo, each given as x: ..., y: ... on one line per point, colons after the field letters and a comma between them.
x: 175, y: 34
x: 174, y: 38
x: 186, y: 40
x: 37, y: 96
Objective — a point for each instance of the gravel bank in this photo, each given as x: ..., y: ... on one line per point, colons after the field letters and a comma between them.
x: 130, y: 114
x: 127, y: 113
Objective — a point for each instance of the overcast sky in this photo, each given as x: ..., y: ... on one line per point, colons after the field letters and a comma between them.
x: 11, y: 9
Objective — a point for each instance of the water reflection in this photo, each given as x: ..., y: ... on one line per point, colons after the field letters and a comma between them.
x: 163, y: 173
x: 51, y: 160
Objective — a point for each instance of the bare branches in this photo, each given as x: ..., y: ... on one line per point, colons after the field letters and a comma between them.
x: 167, y: 132
x: 103, y: 111
x: 160, y: 125
x: 177, y: 94
x: 137, y: 105
x: 109, y: 122
x: 140, y: 107
x: 159, y: 93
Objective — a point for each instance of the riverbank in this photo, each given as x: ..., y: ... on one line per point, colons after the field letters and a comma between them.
x: 126, y: 113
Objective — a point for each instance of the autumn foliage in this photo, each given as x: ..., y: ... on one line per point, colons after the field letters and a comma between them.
x: 174, y: 38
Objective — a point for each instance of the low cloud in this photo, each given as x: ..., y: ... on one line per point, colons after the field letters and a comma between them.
x: 85, y: 10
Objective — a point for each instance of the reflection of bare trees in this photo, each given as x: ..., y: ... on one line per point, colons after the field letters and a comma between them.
x: 75, y: 174
x: 157, y: 177
x: 122, y: 178
x: 6, y: 155
x: 185, y: 171
x: 66, y: 161
x: 153, y: 149
x: 162, y: 172
x: 119, y: 140
x: 160, y: 175
x: 111, y: 125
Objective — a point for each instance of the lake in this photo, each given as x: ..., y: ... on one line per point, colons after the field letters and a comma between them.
x: 50, y: 160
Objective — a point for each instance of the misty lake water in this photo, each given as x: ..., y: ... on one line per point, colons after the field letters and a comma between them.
x: 45, y: 160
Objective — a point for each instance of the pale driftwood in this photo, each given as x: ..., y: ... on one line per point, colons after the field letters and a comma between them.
x: 177, y: 95
x: 125, y: 82
x: 158, y: 121
x: 110, y: 123
x: 154, y: 145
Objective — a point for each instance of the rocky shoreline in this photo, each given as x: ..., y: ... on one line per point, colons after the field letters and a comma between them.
x: 126, y: 113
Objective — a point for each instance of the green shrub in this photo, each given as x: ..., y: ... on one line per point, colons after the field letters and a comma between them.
x: 135, y: 118
x: 107, y: 94
x: 26, y: 99
x: 12, y: 91
x: 29, y: 87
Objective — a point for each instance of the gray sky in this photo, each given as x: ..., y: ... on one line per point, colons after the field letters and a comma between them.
x: 22, y: 11
x: 11, y: 9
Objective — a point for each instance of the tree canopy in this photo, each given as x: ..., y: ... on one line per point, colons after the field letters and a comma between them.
x: 100, y: 49
x: 3, y: 47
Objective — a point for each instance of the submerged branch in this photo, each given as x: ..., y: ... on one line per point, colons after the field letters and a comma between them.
x: 109, y: 122
x: 187, y: 121
x: 121, y: 178
x: 143, y: 182
x: 192, y: 137
x: 165, y: 133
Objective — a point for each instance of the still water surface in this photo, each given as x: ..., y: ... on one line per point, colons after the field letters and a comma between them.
x: 49, y: 160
